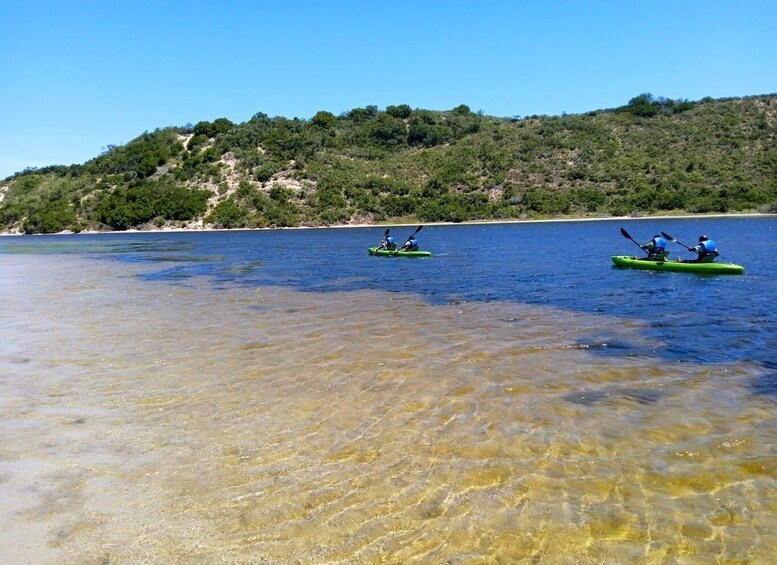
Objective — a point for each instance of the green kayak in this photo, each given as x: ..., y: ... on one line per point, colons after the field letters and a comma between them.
x: 631, y: 262
x: 388, y: 253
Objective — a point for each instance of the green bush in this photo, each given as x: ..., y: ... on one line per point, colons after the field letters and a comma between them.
x: 135, y: 205
x: 333, y: 216
x: 196, y: 141
x: 388, y: 131
x: 52, y: 217
x: 140, y: 156
x: 363, y: 114
x: 427, y: 135
x: 398, y: 206
x: 228, y: 214
x: 324, y: 120
x: 402, y: 111
x: 212, y: 129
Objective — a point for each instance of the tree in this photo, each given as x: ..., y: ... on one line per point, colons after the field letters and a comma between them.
x: 389, y: 131
x: 402, y: 111
x: 324, y: 120
x: 228, y: 214
x: 204, y: 128
x: 428, y: 135
x: 643, y: 105
x: 222, y: 125
x: 53, y: 216
x: 363, y: 114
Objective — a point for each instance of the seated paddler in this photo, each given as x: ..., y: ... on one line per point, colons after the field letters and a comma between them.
x: 656, y: 249
x: 410, y: 245
x: 387, y: 243
x: 706, y: 250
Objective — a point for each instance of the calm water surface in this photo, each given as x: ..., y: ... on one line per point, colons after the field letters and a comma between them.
x: 281, y: 397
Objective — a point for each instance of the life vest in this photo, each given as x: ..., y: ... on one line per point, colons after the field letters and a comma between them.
x: 708, y: 246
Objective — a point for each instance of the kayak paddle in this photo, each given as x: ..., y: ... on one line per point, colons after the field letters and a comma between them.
x: 418, y: 229
x: 627, y: 236
x: 691, y: 249
x: 385, y: 238
x: 673, y: 240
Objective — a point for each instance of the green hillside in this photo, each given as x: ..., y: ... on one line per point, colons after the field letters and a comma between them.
x: 401, y: 164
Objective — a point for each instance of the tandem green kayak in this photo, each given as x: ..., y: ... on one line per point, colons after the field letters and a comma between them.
x: 389, y: 253
x: 631, y: 262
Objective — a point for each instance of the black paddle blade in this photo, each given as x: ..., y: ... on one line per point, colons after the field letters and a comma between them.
x: 418, y: 229
x: 386, y: 232
x: 628, y: 236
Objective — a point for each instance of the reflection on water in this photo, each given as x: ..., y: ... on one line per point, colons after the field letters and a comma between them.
x: 194, y: 423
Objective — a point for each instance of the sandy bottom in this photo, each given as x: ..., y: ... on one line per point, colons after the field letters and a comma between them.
x: 150, y: 423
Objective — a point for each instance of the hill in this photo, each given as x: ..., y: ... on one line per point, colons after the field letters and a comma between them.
x: 402, y: 164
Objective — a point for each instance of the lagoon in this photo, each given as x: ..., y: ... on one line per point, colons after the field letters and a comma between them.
x: 282, y: 397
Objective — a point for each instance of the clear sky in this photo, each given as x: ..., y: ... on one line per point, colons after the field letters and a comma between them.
x: 76, y: 76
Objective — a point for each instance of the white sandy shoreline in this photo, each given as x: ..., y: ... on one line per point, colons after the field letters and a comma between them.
x: 405, y: 224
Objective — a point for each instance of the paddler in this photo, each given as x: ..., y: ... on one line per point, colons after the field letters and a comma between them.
x: 706, y: 250
x: 387, y: 242
x: 410, y: 245
x: 656, y: 249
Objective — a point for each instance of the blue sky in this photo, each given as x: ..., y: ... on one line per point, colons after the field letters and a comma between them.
x: 78, y: 76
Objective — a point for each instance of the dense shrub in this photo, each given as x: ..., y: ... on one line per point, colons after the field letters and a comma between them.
x: 212, y: 129
x: 363, y: 114
x: 388, y: 131
x: 51, y: 217
x: 228, y: 214
x: 140, y: 156
x: 196, y: 142
x: 135, y: 205
x: 324, y: 120
x: 402, y: 111
x: 427, y: 135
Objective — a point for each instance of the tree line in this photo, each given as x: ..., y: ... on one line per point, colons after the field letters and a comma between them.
x: 402, y: 164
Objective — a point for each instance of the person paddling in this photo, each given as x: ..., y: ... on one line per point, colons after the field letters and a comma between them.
x: 410, y: 245
x: 656, y: 249
x: 387, y: 242
x: 706, y: 250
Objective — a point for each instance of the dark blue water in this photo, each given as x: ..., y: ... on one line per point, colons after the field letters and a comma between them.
x: 566, y: 265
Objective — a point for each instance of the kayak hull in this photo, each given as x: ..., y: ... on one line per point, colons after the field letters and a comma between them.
x: 631, y: 262
x: 388, y: 253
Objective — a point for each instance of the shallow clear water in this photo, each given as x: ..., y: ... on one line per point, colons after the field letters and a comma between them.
x: 282, y: 397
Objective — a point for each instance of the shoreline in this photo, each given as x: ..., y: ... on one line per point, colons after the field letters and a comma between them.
x: 406, y: 224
